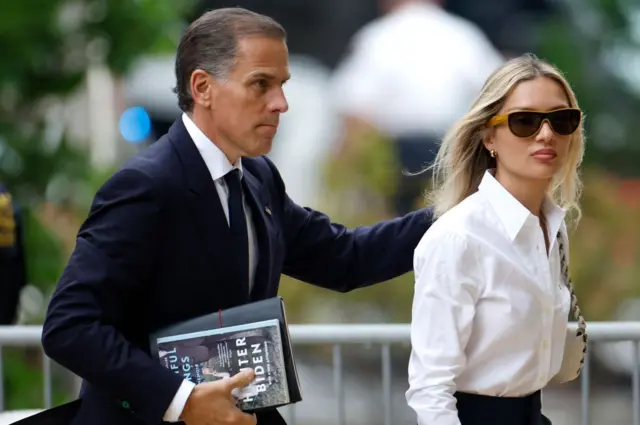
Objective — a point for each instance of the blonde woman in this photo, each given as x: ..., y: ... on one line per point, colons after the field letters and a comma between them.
x: 492, y: 299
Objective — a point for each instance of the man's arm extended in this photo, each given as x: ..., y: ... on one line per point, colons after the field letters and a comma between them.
x: 332, y: 256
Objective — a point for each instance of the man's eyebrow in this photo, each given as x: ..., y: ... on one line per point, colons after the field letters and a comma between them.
x: 266, y: 75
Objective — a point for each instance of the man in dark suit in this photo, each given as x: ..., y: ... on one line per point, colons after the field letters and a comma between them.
x: 201, y: 221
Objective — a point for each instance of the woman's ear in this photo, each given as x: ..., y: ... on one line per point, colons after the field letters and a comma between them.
x: 488, y: 139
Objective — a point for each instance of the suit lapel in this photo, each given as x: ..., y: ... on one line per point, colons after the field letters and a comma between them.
x: 262, y: 220
x: 208, y: 215
x: 211, y: 222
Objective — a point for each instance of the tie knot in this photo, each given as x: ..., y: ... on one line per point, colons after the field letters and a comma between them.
x: 233, y: 177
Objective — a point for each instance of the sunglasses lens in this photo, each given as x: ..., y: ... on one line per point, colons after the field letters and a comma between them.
x: 524, y: 124
x: 527, y: 123
x: 565, y: 122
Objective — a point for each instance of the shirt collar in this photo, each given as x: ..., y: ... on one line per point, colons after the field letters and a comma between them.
x: 215, y: 160
x: 513, y: 215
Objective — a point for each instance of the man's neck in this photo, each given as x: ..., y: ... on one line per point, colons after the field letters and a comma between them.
x: 391, y: 6
x: 204, y: 123
x: 401, y: 3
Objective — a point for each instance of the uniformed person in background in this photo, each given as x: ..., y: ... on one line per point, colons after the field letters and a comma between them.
x: 12, y: 258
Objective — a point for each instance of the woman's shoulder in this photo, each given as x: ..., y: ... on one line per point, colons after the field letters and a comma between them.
x: 457, y: 225
x: 462, y: 218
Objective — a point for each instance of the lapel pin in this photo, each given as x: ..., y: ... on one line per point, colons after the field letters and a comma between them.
x: 267, y: 210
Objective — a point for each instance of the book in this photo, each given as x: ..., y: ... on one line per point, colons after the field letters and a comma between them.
x: 264, y: 314
x: 220, y: 344
x: 221, y: 353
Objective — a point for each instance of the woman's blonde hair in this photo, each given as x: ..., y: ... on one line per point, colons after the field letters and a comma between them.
x: 463, y: 159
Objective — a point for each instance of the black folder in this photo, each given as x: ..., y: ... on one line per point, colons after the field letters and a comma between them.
x: 258, y: 311
x: 271, y: 308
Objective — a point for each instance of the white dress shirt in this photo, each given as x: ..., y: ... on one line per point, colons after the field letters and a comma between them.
x: 218, y: 166
x: 490, y: 309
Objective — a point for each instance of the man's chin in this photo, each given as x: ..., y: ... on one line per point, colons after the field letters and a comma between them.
x: 262, y: 148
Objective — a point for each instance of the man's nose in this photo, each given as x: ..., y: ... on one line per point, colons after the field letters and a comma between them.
x: 278, y: 103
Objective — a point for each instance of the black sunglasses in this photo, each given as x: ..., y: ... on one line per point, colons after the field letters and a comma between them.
x: 527, y: 123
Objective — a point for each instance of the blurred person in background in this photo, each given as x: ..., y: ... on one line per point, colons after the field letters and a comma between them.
x: 408, y: 76
x: 489, y: 327
x: 12, y: 257
x: 513, y: 25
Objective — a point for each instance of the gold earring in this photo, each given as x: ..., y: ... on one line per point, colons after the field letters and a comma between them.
x: 493, y: 153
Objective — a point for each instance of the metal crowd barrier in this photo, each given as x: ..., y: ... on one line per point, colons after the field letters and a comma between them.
x: 384, y: 335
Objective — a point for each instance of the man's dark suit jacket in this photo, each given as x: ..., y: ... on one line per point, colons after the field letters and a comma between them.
x: 154, y: 250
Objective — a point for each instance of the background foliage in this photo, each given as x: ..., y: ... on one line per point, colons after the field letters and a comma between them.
x: 605, y: 259
x: 47, y: 47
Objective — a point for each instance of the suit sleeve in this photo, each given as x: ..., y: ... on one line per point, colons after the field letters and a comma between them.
x: 109, y: 268
x: 332, y: 256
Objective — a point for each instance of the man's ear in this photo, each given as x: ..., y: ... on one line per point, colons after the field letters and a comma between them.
x: 202, y: 86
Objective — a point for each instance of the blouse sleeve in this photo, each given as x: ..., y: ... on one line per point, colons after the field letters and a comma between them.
x: 446, y: 290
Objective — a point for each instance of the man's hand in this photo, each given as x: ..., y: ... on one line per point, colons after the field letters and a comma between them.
x: 211, y: 403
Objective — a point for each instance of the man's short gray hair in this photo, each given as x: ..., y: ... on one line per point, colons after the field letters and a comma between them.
x: 210, y: 43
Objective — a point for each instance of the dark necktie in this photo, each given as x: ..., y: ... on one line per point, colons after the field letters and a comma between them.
x: 238, y: 225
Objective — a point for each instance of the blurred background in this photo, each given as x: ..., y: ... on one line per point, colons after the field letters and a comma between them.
x: 375, y: 83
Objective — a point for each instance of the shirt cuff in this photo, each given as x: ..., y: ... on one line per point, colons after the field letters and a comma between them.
x: 179, y: 400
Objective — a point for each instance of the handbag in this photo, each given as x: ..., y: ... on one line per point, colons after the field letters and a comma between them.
x: 575, y: 347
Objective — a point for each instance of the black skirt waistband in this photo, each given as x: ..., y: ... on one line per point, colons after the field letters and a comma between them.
x: 476, y: 409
